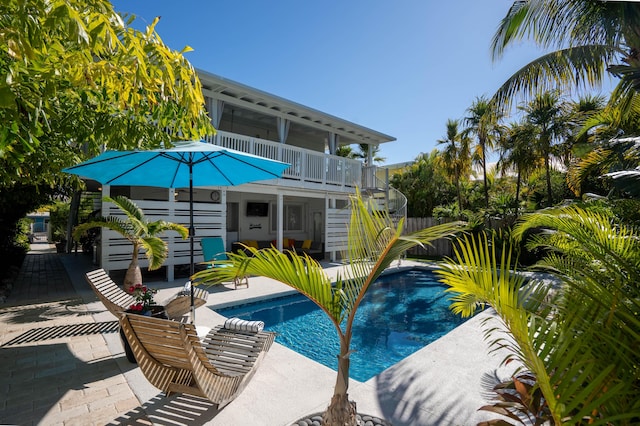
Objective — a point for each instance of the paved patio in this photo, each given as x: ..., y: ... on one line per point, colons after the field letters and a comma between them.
x: 62, y: 363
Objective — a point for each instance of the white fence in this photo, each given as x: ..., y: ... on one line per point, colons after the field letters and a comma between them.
x: 209, y: 221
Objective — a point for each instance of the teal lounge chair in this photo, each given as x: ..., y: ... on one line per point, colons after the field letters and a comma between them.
x: 213, y: 250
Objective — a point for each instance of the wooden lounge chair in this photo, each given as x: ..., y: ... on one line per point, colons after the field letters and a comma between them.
x: 213, y: 250
x: 117, y: 300
x: 173, y: 359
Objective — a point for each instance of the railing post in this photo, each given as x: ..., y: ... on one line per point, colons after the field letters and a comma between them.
x: 303, y: 166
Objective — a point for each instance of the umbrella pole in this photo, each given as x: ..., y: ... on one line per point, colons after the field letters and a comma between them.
x: 192, y: 232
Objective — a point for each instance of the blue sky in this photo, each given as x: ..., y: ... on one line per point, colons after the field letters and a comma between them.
x: 402, y: 68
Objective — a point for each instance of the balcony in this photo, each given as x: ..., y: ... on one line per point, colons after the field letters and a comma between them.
x: 309, y: 169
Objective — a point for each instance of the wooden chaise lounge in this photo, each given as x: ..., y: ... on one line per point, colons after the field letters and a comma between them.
x: 117, y: 300
x: 173, y: 359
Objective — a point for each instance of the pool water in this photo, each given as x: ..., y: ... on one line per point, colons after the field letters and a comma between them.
x: 401, y: 313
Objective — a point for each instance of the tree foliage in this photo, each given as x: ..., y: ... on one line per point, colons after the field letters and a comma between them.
x: 76, y: 78
x: 425, y: 185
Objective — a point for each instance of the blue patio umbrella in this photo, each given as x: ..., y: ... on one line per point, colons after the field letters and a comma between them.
x: 186, y: 164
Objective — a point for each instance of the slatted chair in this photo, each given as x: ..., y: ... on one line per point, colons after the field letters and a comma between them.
x: 117, y: 300
x: 213, y: 250
x: 174, y: 360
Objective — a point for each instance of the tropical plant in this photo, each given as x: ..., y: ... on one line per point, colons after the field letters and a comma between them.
x: 578, y: 141
x: 517, y: 152
x: 456, y: 156
x: 373, y: 243
x: 345, y: 151
x: 139, y: 231
x: 58, y: 220
x: 363, y: 153
x: 483, y: 121
x: 75, y: 78
x: 588, y: 37
x: 548, y: 116
x: 578, y: 338
x: 425, y: 185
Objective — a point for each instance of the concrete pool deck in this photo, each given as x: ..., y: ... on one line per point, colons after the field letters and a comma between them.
x: 441, y: 384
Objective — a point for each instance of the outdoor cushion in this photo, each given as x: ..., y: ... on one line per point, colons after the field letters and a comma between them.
x: 306, y: 245
x: 251, y: 243
x: 238, y: 324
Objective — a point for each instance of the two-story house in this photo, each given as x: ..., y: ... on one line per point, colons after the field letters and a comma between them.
x: 309, y: 202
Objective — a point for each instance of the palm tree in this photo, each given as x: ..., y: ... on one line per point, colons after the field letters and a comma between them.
x: 578, y: 140
x: 363, y: 153
x: 578, y: 339
x: 373, y: 243
x: 517, y: 152
x: 345, y: 151
x: 590, y: 35
x: 483, y: 122
x: 456, y: 156
x: 139, y: 231
x: 548, y: 114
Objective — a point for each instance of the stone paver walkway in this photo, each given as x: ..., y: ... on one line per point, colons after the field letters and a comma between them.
x: 55, y: 367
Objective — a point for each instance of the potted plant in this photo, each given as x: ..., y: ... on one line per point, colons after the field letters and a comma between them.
x: 140, y: 232
x: 374, y: 241
x: 58, y: 219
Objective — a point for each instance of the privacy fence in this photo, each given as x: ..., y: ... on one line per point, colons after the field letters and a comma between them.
x: 441, y: 247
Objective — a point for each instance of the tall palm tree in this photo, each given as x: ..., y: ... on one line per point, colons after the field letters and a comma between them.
x: 373, y: 243
x: 578, y: 339
x: 517, y: 152
x: 547, y: 113
x: 456, y: 156
x: 483, y: 122
x: 139, y: 231
x: 588, y: 35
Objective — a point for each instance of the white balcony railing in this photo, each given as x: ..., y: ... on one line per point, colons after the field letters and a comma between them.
x: 306, y: 165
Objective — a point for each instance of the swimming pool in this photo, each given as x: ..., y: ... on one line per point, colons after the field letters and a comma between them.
x: 401, y: 313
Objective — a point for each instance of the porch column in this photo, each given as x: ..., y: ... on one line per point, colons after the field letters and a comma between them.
x: 215, y: 108
x: 283, y: 126
x: 333, y: 143
x: 369, y: 155
x: 329, y: 203
x: 280, y: 236
x: 170, y: 255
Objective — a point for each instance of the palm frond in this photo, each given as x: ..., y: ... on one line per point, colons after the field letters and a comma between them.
x: 111, y: 222
x: 156, y: 251
x: 160, y: 226
x: 481, y: 277
x: 580, y: 66
x: 134, y: 213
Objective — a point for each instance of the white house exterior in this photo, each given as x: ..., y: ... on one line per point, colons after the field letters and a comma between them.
x: 308, y: 203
